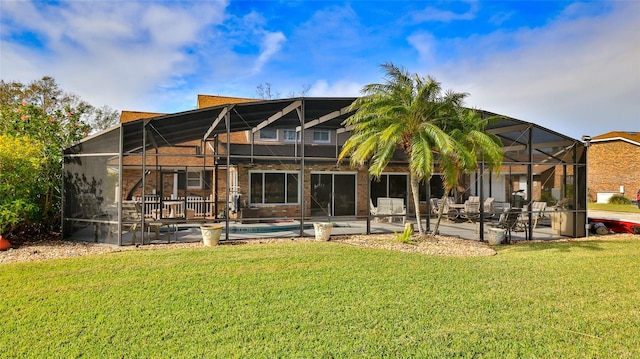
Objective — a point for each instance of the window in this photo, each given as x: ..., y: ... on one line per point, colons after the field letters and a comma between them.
x: 321, y: 136
x: 291, y: 136
x: 389, y: 185
x: 275, y: 187
x: 194, y: 180
x: 268, y: 134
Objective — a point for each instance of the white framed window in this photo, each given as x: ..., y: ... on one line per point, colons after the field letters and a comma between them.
x: 291, y: 136
x: 194, y: 180
x: 321, y: 136
x: 268, y: 134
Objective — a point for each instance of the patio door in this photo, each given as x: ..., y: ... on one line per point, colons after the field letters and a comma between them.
x: 333, y: 194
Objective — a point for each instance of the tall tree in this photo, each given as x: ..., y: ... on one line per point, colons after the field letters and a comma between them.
x: 48, y: 96
x: 42, y: 114
x: 468, y: 130
x: 406, y: 112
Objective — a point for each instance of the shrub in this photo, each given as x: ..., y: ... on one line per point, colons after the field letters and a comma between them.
x: 619, y: 199
x: 406, y: 236
x: 47, y: 134
x: 21, y: 160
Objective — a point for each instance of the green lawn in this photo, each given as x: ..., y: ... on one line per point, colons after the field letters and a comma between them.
x: 322, y: 300
x: 632, y: 208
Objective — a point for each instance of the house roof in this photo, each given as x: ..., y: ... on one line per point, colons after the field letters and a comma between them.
x: 128, y: 116
x: 211, y: 101
x: 196, y: 124
x: 202, y: 123
x: 631, y: 137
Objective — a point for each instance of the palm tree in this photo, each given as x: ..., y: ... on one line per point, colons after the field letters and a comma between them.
x: 468, y: 130
x: 405, y: 112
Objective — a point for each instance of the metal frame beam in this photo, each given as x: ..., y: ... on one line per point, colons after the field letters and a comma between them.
x: 276, y: 116
x: 215, y: 123
x: 325, y: 118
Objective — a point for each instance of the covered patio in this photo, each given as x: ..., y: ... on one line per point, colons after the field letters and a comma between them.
x: 268, y: 168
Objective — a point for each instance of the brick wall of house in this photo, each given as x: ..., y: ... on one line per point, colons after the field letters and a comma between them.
x: 612, y: 164
x: 131, y: 176
x: 293, y: 210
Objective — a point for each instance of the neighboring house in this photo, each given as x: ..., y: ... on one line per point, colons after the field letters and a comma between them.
x: 613, y: 165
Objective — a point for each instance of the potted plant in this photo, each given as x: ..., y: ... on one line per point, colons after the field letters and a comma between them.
x: 211, y: 234
x: 322, y: 230
x: 4, y: 244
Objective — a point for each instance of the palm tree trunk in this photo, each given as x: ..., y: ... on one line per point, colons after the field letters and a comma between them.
x: 415, y: 190
x: 441, y: 211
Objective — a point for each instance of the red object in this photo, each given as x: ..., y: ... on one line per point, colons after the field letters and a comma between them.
x: 4, y: 244
x: 618, y: 226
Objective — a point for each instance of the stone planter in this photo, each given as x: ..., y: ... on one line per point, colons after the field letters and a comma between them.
x: 496, y: 236
x: 211, y: 234
x: 322, y: 230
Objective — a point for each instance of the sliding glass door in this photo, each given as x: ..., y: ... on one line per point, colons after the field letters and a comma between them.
x: 333, y: 194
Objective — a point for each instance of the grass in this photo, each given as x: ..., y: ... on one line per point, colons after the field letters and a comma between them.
x: 574, y: 299
x: 631, y: 208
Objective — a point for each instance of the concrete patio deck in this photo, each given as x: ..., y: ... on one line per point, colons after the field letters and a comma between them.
x: 465, y: 230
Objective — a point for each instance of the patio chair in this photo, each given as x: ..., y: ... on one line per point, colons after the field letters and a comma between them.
x: 434, y: 205
x: 538, y: 210
x: 471, y: 211
x: 398, y: 208
x: 131, y: 217
x: 450, y: 213
x: 509, y: 221
x: 373, y: 211
x: 489, y: 207
x: 385, y: 207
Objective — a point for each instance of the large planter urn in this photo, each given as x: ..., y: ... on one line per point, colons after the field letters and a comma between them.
x: 211, y: 234
x: 322, y: 230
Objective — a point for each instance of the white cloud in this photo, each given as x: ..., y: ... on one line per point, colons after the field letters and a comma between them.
x: 435, y: 14
x: 271, y: 44
x: 575, y: 75
x: 424, y: 43
x: 322, y: 88
x: 112, y: 53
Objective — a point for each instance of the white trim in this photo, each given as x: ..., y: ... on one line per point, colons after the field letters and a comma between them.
x: 328, y: 132
x: 616, y: 139
x: 284, y: 135
x: 268, y: 139
x: 200, y: 179
x: 174, y: 195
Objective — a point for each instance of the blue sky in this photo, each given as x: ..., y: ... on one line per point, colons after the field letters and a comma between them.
x: 573, y: 67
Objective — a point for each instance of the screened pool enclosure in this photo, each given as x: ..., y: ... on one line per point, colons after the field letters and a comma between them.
x: 268, y: 168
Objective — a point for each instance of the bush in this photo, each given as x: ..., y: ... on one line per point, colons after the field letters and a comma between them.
x: 619, y: 199
x: 41, y: 137
x: 406, y: 236
x: 21, y: 160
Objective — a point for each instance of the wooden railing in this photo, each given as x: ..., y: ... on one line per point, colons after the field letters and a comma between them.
x: 201, y: 207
